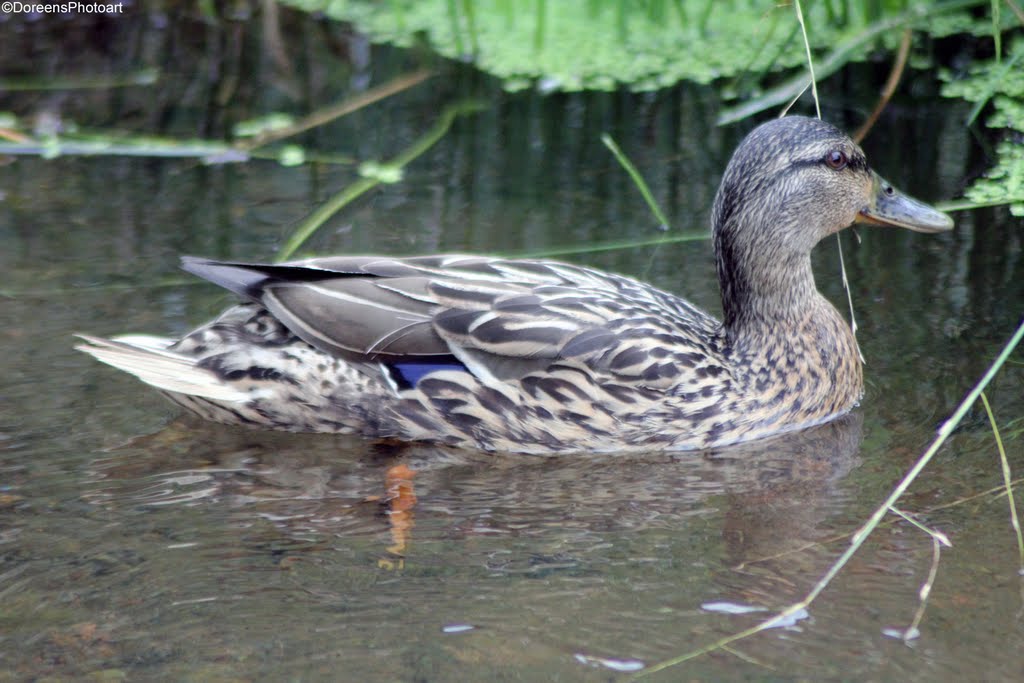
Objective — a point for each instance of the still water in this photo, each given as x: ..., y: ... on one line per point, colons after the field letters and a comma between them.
x: 138, y: 545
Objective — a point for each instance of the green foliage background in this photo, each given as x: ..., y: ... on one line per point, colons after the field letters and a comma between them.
x: 741, y: 45
x: 999, y: 82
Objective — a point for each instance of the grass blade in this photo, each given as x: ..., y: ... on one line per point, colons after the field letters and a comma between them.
x: 638, y: 180
x: 1007, y: 482
x: 360, y: 187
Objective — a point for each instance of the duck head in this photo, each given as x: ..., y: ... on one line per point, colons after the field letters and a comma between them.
x: 789, y: 184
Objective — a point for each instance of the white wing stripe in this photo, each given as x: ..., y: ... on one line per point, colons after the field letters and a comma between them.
x: 341, y: 296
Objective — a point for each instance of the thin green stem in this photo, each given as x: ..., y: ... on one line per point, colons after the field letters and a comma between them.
x: 810, y: 60
x: 638, y: 180
x: 35, y: 83
x: 52, y: 148
x: 1007, y: 481
x: 849, y: 297
x: 965, y: 205
x: 937, y: 535
x: 456, y: 27
x: 997, y: 34
x: 540, y: 27
x: 360, y: 187
x: 839, y: 241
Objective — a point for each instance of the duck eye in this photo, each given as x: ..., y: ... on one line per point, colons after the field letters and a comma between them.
x: 836, y: 160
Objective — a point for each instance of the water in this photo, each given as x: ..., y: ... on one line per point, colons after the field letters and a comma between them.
x: 136, y: 544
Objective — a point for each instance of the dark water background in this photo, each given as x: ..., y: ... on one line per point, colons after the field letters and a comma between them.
x: 135, y: 545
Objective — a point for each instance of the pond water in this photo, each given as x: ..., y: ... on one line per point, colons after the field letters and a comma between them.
x: 138, y: 545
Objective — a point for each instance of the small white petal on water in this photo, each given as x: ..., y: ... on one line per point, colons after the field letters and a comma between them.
x: 731, y: 608
x: 621, y: 665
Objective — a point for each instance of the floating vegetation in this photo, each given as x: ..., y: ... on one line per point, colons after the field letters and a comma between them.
x: 139, y: 77
x: 643, y: 44
x: 52, y: 137
x: 998, y: 82
x: 751, y: 50
x: 574, y: 45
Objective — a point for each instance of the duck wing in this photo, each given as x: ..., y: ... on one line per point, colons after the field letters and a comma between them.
x: 500, y: 319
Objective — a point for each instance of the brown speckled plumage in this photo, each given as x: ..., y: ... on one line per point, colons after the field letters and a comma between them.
x: 537, y: 356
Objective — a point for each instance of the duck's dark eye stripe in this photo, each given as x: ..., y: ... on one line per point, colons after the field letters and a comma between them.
x: 857, y: 163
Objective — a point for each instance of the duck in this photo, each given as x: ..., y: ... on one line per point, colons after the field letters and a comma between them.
x: 537, y: 356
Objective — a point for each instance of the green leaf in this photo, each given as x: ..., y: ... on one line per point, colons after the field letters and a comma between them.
x: 253, y: 127
x: 291, y: 155
x: 602, y: 44
x: 388, y: 174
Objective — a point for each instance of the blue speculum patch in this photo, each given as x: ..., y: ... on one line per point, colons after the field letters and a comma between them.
x: 408, y: 374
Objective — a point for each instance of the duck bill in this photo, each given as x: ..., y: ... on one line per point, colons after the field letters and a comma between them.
x: 889, y: 206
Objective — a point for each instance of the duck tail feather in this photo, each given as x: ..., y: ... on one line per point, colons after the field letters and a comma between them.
x: 149, y: 360
x: 245, y: 280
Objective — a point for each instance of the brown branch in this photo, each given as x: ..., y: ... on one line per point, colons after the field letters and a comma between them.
x: 319, y: 118
x: 890, y: 87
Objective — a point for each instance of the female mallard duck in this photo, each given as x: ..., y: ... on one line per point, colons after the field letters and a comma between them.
x: 538, y: 356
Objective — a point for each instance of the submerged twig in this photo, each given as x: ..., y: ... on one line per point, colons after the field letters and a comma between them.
x: 939, y: 540
x: 212, y: 152
x: 748, y: 659
x: 861, y: 535
x: 13, y: 135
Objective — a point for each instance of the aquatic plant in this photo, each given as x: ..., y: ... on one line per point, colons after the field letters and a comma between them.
x: 643, y: 44
x: 997, y: 83
x: 742, y: 45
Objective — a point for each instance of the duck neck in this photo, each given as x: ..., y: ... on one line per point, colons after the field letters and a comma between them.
x: 764, y: 290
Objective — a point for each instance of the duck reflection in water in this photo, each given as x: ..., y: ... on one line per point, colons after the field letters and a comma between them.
x: 771, y: 496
